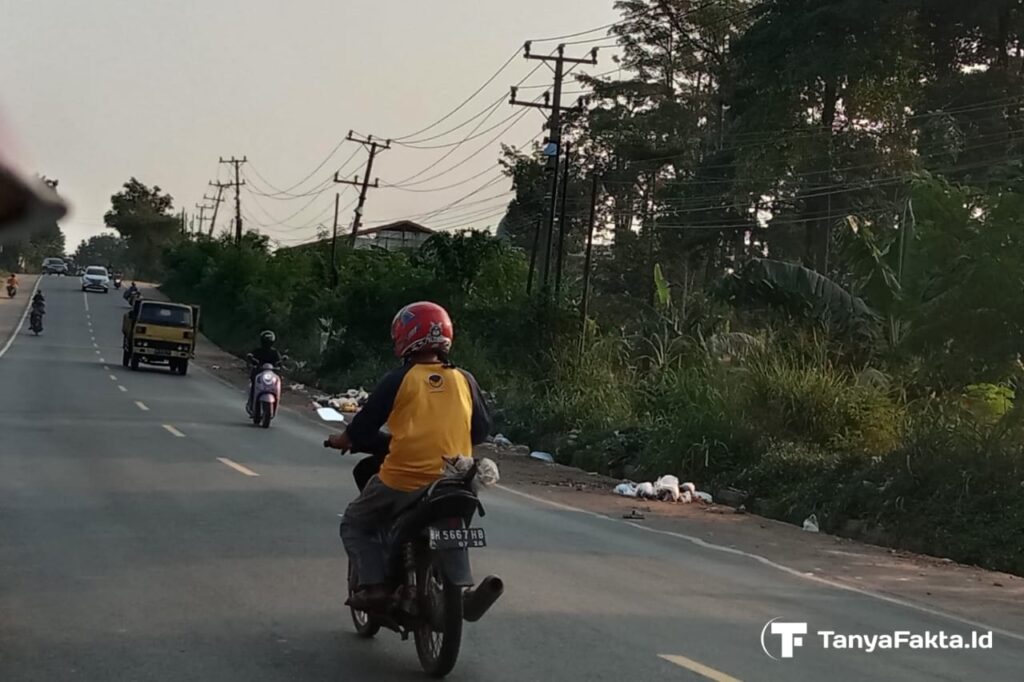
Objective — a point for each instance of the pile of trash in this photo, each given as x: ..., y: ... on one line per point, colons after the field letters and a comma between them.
x: 349, y: 402
x: 666, y: 489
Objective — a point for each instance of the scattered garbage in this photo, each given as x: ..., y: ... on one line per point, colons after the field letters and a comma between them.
x: 811, y: 523
x: 634, y: 514
x: 349, y: 402
x: 626, y: 489
x: 543, y: 456
x: 666, y: 488
x: 646, y: 491
x: 298, y: 388
x: 501, y: 441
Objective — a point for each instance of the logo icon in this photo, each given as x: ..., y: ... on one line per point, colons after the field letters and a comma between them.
x: 436, y: 382
x: 791, y: 635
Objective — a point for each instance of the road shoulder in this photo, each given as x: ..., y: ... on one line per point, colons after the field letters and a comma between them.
x: 12, y: 310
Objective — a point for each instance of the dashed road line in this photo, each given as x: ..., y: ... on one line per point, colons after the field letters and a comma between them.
x: 85, y: 297
x: 699, y: 668
x: 237, y: 467
x: 142, y: 406
x: 106, y: 367
x: 122, y: 389
x: 113, y: 377
x: 173, y: 431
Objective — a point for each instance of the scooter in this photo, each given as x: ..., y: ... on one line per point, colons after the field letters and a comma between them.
x: 264, y: 393
x: 11, y: 290
x: 117, y: 281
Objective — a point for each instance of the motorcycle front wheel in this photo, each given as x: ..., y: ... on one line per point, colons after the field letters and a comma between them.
x: 265, y: 417
x: 439, y: 634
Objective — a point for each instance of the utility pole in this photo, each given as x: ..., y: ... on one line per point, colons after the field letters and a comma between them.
x: 562, y: 228
x: 334, y: 240
x: 216, y: 203
x: 554, y: 139
x: 202, y: 215
x: 533, y: 256
x: 237, y: 184
x: 585, y: 301
x: 374, y: 147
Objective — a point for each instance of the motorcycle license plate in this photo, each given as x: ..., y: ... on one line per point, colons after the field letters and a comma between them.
x: 457, y: 538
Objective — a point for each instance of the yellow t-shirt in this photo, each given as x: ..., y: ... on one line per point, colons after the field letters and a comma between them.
x: 433, y: 411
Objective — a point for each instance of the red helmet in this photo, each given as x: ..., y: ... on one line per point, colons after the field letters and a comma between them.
x: 422, y: 326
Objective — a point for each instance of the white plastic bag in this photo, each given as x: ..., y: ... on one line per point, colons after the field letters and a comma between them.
x: 646, y: 491
x: 811, y: 523
x: 487, y: 473
x: 704, y: 497
x: 667, y: 487
x: 626, y: 489
x: 688, y: 486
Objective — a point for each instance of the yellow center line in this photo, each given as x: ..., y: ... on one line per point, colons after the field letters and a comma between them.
x: 699, y: 668
x: 237, y: 467
x: 173, y: 431
x: 142, y: 406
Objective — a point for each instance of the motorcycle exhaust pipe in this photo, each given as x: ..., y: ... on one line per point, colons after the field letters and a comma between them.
x: 476, y: 601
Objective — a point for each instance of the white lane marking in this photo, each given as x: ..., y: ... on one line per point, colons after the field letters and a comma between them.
x: 237, y: 467
x: 97, y: 351
x: 699, y: 668
x: 122, y: 389
x: 105, y: 367
x: 85, y: 297
x: 102, y: 360
x: 977, y: 625
x: 142, y: 406
x: 95, y: 345
x: 113, y: 377
x: 173, y: 431
x: 21, y: 322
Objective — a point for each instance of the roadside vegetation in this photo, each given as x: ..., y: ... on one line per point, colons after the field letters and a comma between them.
x: 807, y: 283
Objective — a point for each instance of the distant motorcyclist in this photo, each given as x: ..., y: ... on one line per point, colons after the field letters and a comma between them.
x: 131, y: 292
x: 36, y: 312
x: 264, y: 354
x: 12, y: 284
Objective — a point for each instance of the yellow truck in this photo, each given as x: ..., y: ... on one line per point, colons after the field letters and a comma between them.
x: 159, y: 332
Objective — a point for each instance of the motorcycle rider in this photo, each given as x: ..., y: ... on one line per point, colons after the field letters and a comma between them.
x: 264, y: 354
x: 132, y: 291
x: 433, y: 410
x: 12, y: 281
x: 38, y: 308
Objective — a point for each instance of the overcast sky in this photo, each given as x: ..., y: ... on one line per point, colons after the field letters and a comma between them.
x: 96, y: 91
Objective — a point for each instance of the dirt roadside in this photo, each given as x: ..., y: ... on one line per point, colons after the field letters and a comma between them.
x: 988, y: 597
x: 12, y: 309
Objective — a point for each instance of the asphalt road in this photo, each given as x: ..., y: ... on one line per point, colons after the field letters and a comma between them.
x: 132, y: 549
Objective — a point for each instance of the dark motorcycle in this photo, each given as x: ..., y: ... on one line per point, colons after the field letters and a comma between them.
x: 117, y: 281
x: 35, y: 319
x: 428, y: 549
x: 11, y: 290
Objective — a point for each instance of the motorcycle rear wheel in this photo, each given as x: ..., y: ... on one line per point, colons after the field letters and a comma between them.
x: 439, y: 634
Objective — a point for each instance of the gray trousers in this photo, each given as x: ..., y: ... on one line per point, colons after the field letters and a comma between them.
x: 362, y: 526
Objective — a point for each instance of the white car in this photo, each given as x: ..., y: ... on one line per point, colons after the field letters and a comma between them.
x: 96, y: 278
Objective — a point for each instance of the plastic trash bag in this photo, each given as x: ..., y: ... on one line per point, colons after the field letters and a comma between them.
x: 501, y: 441
x: 646, y: 491
x: 626, y: 489
x: 703, y: 497
x: 667, y: 487
x: 543, y: 456
x: 688, y: 486
x: 487, y: 473
x: 811, y: 523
